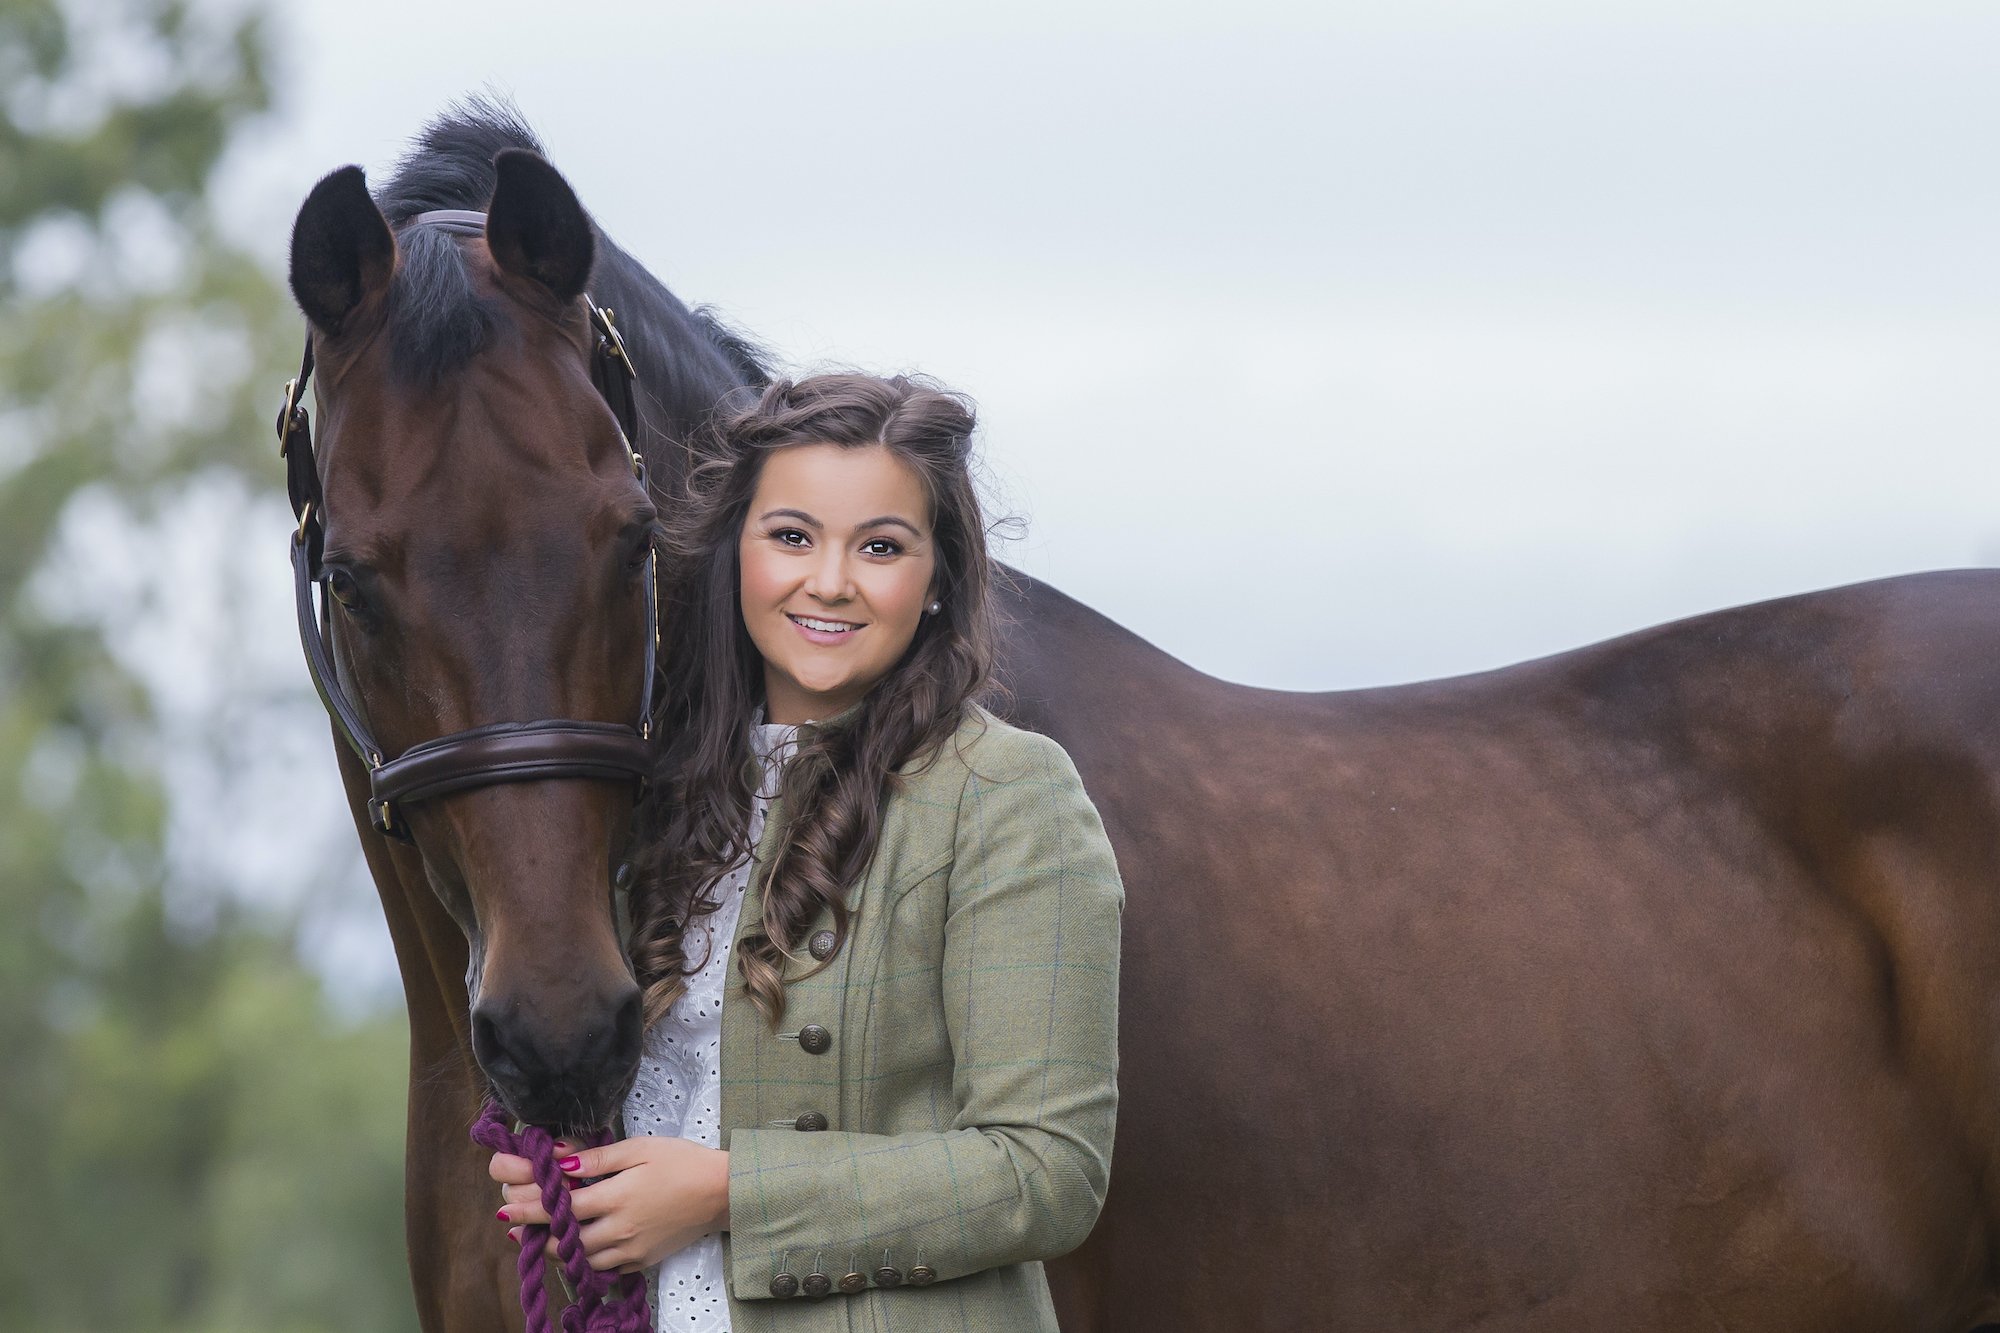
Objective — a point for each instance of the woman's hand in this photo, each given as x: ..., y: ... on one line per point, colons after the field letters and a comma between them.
x: 658, y: 1196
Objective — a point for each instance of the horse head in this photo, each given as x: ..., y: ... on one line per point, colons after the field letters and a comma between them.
x: 485, y: 539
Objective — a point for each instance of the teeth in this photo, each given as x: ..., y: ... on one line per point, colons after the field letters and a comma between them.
x: 824, y: 626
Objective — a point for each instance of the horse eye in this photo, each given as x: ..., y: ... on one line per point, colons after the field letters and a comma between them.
x: 344, y: 589
x: 639, y: 552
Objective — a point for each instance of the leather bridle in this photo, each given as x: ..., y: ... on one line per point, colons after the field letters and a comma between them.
x: 497, y: 751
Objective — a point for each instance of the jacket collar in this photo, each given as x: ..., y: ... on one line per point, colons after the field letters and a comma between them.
x: 841, y: 719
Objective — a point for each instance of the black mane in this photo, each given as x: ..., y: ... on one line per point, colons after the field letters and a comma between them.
x: 688, y: 360
x: 451, y: 163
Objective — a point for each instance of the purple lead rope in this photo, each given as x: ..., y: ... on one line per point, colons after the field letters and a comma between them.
x: 593, y: 1310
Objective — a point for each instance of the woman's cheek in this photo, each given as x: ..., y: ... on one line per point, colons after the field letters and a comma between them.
x: 901, y: 606
x: 760, y: 583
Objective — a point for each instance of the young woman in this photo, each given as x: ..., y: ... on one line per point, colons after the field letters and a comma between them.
x: 876, y: 926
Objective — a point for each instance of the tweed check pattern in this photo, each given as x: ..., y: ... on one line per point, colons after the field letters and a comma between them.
x: 678, y: 1090
x: 969, y: 1087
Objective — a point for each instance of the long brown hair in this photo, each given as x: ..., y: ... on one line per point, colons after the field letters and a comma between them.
x: 695, y: 824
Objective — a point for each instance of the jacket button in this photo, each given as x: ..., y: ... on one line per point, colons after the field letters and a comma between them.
x: 815, y: 1040
x: 922, y: 1275
x: 783, y: 1285
x: 810, y: 1123
x: 822, y: 945
x: 854, y: 1283
x: 886, y: 1276
x: 818, y: 1285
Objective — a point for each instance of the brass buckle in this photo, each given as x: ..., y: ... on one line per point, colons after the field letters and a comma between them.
x: 305, y: 517
x: 288, y: 415
x: 607, y: 324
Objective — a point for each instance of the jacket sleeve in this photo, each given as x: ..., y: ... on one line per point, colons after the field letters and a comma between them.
x: 1029, y: 989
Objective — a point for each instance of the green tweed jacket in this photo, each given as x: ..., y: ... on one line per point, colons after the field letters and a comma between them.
x: 934, y: 1116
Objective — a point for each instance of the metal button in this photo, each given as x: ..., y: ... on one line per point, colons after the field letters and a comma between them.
x: 922, y: 1275
x: 810, y: 1123
x: 822, y: 944
x: 885, y: 1276
x: 854, y: 1282
x: 783, y: 1285
x: 815, y: 1040
x: 818, y: 1285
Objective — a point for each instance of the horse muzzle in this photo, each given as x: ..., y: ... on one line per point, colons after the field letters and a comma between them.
x: 568, y: 1071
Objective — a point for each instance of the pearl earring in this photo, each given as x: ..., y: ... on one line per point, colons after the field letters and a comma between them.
x: 933, y: 608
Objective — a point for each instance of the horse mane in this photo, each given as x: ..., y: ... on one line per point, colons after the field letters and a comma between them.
x: 450, y: 164
x: 751, y: 360
x: 688, y: 360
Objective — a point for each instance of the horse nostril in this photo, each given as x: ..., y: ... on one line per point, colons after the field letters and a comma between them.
x: 616, y: 1047
x: 630, y: 1027
x: 489, y: 1048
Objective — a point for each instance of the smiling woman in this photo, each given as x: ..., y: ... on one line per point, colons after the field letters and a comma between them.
x: 829, y: 562
x: 876, y: 926
x: 832, y: 598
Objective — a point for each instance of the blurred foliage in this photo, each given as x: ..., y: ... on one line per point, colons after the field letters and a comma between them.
x: 209, y: 1145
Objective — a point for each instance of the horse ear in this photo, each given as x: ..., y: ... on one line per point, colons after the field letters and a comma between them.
x: 536, y: 228
x: 342, y: 249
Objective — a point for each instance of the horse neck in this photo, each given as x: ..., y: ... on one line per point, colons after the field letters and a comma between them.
x: 1065, y: 669
x: 683, y: 371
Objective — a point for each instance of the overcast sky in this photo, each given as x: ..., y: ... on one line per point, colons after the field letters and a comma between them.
x: 1324, y: 345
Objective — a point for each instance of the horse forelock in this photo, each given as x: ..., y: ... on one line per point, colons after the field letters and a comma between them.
x: 438, y: 319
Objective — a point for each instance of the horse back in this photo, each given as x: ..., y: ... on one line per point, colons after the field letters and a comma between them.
x: 1645, y: 986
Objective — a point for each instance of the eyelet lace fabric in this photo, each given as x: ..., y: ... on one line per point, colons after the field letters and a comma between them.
x: 679, y: 1087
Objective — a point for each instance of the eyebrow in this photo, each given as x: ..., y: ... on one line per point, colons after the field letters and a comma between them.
x: 799, y: 514
x: 889, y: 519
x: 883, y: 520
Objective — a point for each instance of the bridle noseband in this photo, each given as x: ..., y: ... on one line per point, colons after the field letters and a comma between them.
x: 497, y: 751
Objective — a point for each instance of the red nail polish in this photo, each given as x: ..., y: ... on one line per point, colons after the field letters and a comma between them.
x: 502, y: 1215
x: 570, y: 1164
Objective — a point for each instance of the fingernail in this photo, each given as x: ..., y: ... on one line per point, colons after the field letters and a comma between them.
x: 562, y: 1145
x: 514, y: 1234
x: 570, y: 1165
x: 502, y: 1215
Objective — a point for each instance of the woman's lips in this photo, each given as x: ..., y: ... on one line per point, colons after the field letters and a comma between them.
x: 816, y: 629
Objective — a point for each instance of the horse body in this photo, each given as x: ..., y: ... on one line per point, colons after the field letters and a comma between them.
x: 1646, y: 987
x: 1650, y: 986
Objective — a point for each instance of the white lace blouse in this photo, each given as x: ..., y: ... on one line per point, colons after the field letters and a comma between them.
x: 679, y: 1087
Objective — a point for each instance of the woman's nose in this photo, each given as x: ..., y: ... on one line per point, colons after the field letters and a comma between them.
x: 828, y: 578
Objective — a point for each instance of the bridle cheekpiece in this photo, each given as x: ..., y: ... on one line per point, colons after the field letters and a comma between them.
x: 495, y: 752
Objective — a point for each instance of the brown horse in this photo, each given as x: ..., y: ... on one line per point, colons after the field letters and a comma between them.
x: 1654, y: 986
x: 485, y: 548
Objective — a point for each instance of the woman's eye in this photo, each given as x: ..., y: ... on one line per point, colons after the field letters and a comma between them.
x: 881, y: 546
x: 790, y: 537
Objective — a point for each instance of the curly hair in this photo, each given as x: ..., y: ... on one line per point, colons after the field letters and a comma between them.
x: 695, y: 823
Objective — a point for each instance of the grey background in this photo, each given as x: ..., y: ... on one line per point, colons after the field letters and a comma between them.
x: 1325, y: 345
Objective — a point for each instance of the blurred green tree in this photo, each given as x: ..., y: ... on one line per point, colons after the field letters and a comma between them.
x: 203, y: 1142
